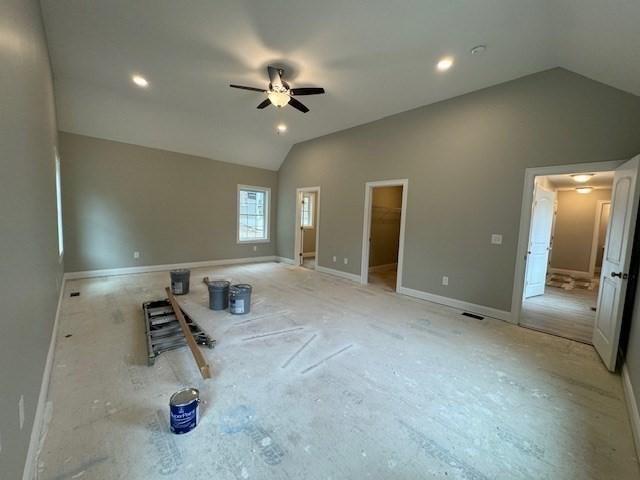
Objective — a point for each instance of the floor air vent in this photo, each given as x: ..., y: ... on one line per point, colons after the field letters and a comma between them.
x: 472, y: 315
x: 75, y: 294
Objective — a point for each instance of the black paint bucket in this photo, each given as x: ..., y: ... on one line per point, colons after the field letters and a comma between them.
x: 218, y: 294
x: 180, y: 281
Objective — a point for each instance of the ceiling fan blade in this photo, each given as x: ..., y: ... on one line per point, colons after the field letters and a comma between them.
x: 296, y: 104
x: 307, y: 91
x: 253, y: 89
x: 264, y: 104
x: 274, y: 76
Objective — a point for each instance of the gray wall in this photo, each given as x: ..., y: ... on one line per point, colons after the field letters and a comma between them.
x: 30, y: 272
x: 573, y: 234
x: 172, y: 208
x: 465, y: 160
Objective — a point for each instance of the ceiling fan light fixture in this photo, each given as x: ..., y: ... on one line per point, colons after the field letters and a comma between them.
x: 279, y: 99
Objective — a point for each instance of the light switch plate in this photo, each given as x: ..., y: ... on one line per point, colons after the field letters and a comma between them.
x: 445, y: 280
x: 136, y: 254
x: 496, y: 239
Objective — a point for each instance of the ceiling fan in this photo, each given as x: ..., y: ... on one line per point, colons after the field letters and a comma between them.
x: 279, y: 93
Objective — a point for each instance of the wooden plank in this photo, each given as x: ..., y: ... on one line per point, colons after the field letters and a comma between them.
x: 203, y: 366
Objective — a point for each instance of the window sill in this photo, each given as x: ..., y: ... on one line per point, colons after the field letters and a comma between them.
x: 248, y: 242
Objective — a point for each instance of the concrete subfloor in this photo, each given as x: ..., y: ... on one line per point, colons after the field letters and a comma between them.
x: 325, y: 379
x: 567, y: 313
x: 309, y: 262
x: 385, y: 280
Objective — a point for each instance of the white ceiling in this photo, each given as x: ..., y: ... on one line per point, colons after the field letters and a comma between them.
x: 374, y: 58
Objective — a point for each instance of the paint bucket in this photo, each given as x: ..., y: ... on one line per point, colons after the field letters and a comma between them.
x: 180, y: 281
x: 240, y: 299
x: 218, y: 294
x: 184, y: 407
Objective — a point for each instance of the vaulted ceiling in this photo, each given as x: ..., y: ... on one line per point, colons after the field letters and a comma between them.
x: 374, y: 58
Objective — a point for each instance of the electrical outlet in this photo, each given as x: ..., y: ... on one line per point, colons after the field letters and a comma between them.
x: 496, y: 239
x: 445, y: 280
x: 136, y: 254
x: 21, y: 411
x: 346, y: 260
x: 334, y: 259
x: 255, y: 248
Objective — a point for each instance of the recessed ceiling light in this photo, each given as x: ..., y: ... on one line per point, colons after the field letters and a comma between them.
x: 140, y: 81
x: 582, y: 177
x: 584, y: 189
x: 478, y: 49
x: 281, y: 128
x: 445, y: 64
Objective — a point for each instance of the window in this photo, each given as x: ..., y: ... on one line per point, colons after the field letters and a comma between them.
x: 59, y: 204
x: 306, y: 220
x: 253, y: 214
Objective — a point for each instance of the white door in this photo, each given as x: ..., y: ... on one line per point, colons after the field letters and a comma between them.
x: 539, y: 241
x: 615, y: 263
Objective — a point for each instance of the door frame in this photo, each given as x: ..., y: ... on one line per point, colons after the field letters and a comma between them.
x: 297, y: 236
x: 596, y: 237
x: 525, y: 219
x: 366, y: 229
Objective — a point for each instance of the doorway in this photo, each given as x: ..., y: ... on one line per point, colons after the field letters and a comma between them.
x: 608, y: 289
x: 307, y: 232
x: 569, y: 219
x: 383, y: 233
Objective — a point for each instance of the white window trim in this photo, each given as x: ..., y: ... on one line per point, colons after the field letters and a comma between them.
x: 267, y: 216
x: 311, y: 196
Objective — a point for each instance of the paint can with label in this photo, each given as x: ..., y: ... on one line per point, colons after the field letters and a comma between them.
x: 180, y: 281
x: 184, y: 407
x: 240, y: 299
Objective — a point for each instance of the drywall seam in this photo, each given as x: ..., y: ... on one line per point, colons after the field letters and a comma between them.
x: 458, y: 304
x: 160, y: 268
x: 38, y: 420
x: 337, y: 273
x: 632, y: 406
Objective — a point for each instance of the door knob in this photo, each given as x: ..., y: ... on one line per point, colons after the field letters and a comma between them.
x: 619, y: 275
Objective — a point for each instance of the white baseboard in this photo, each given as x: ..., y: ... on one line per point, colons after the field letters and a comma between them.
x: 338, y: 273
x: 308, y: 254
x: 39, y: 417
x: 573, y: 273
x: 289, y: 261
x: 160, y: 268
x: 384, y: 268
x: 632, y: 407
x: 458, y: 304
